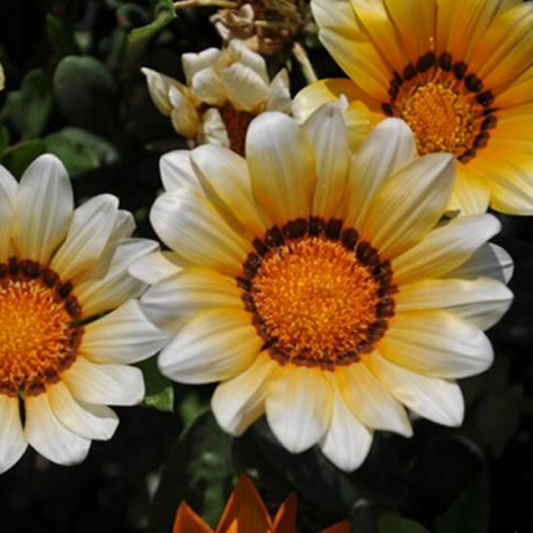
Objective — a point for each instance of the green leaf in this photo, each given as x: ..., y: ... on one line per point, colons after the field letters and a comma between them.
x: 17, y: 158
x: 80, y: 150
x: 397, y: 524
x: 139, y: 38
x: 470, y: 512
x: 86, y: 93
x: 60, y: 39
x: 28, y: 109
x: 198, y: 471
x: 159, y: 390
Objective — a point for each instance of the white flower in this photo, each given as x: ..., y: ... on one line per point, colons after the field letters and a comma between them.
x: 69, y: 327
x: 225, y: 90
x: 318, y: 287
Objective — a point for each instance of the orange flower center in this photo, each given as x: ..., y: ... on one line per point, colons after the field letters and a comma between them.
x: 440, y: 117
x: 38, y: 339
x: 319, y: 296
x: 236, y: 123
x: 445, y: 106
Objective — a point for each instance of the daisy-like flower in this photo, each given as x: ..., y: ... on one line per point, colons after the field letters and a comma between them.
x: 460, y: 73
x: 225, y: 90
x: 68, y: 325
x: 245, y: 512
x: 320, y: 287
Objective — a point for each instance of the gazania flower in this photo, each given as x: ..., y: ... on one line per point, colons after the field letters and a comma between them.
x: 68, y: 326
x: 460, y: 73
x: 245, y: 512
x: 319, y: 287
x: 225, y: 90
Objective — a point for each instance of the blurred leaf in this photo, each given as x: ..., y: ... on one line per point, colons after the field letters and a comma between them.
x: 17, y: 158
x: 443, y: 469
x: 86, y: 93
x: 80, y: 150
x: 159, y: 390
x: 198, y: 471
x: 139, y: 38
x: 4, y: 139
x: 132, y: 15
x: 470, y: 513
x: 396, y: 524
x: 61, y: 41
x: 190, y: 406
x: 496, y: 431
x: 28, y: 109
x: 380, y: 478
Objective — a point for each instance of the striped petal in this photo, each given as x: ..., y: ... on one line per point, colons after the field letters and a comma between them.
x: 298, y: 407
x: 438, y: 344
x: 282, y: 184
x: 215, y: 345
x: 49, y: 437
x: 44, y: 210
x: 13, y: 443
x: 435, y: 399
x: 8, y: 192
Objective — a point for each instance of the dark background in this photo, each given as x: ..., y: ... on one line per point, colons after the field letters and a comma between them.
x: 74, y: 88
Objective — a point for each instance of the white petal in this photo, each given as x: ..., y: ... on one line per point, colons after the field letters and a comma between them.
x: 280, y: 94
x: 398, y: 220
x: 242, y: 54
x: 347, y: 441
x: 44, y: 209
x: 299, y: 405
x: 215, y: 345
x: 88, y: 236
x: 328, y: 136
x: 370, y: 402
x: 49, y: 437
x: 445, y: 248
x: 8, y: 192
x: 190, y: 225
x: 169, y: 303
x: 88, y: 421
x: 434, y: 399
x: 104, y: 384
x: 239, y: 402
x: 184, y: 115
x: 245, y: 89
x: 124, y: 226
x: 208, y: 88
x: 481, y: 301
x: 213, y: 129
x: 124, y: 336
x: 176, y: 171
x: 389, y: 147
x: 193, y: 63
x: 153, y: 268
x: 117, y: 285
x: 225, y: 177
x: 281, y: 166
x: 490, y: 260
x: 13, y: 444
x: 438, y: 344
x: 159, y: 87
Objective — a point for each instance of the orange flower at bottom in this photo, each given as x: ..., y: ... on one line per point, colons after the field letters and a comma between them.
x: 245, y: 512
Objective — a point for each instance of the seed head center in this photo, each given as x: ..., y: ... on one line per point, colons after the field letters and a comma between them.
x: 37, y: 336
x: 316, y: 299
x: 441, y: 117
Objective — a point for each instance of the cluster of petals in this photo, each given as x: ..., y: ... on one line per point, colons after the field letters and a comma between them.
x: 476, y: 56
x: 84, y: 252
x: 451, y: 284
x: 224, y: 90
x: 245, y: 512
